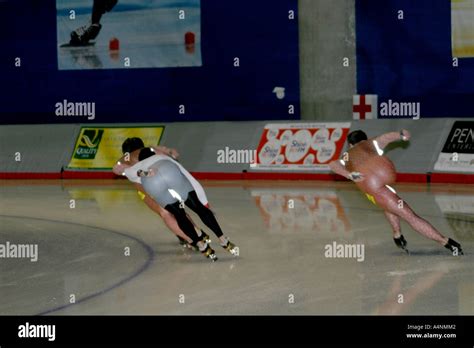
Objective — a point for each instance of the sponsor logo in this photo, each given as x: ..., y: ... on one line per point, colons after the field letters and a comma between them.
x: 88, y: 144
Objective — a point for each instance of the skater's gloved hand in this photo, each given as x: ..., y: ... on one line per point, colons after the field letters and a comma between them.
x: 356, y: 176
x: 145, y: 173
x: 174, y: 153
x: 405, y: 135
x: 119, y: 168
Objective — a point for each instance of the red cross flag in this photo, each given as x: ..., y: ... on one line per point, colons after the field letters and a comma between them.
x: 365, y: 107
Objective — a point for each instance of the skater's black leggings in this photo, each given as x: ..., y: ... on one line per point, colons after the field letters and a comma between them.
x: 100, y: 7
x: 204, y: 213
x: 183, y: 221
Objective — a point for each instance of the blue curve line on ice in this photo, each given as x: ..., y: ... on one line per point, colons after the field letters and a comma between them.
x: 113, y: 286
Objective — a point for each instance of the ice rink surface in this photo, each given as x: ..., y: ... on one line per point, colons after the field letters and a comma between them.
x: 84, y: 230
x: 150, y: 34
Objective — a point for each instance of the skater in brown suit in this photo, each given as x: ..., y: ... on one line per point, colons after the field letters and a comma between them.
x: 372, y: 172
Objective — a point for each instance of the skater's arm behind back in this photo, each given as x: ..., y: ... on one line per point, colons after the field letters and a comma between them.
x: 387, y: 138
x: 338, y: 168
x: 119, y: 168
x: 166, y: 151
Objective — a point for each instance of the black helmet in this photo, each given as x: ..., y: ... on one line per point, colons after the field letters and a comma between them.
x: 356, y: 137
x: 132, y: 144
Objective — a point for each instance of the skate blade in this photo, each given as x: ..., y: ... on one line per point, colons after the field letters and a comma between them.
x: 77, y: 45
x: 404, y: 249
x: 210, y: 254
x: 233, y: 249
x: 189, y: 246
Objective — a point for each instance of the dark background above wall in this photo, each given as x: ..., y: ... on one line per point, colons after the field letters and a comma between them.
x: 267, y: 46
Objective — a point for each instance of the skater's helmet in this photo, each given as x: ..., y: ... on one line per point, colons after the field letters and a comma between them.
x: 356, y: 137
x: 132, y: 144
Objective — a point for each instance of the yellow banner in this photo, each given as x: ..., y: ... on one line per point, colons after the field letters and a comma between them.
x: 100, y: 148
x: 462, y: 21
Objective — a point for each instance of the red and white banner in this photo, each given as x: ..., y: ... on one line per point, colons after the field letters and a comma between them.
x: 300, y: 146
x: 365, y: 107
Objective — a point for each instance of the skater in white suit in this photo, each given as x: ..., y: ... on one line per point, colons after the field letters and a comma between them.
x: 171, y: 186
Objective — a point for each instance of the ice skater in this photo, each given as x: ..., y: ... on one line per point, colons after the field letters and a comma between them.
x: 172, y: 187
x: 372, y: 172
x: 84, y: 34
x: 129, y: 157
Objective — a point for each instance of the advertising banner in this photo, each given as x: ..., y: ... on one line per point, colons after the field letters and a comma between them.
x: 150, y: 33
x: 458, y: 151
x: 100, y: 148
x: 300, y: 146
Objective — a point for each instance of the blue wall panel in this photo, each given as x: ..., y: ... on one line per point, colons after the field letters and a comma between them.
x: 411, y: 59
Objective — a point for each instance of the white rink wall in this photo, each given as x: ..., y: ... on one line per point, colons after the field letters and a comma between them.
x: 48, y: 148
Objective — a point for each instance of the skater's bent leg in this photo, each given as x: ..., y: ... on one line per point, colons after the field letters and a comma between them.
x: 204, y: 213
x: 392, y: 203
x: 186, y: 225
x: 394, y: 222
x: 398, y: 237
x: 183, y: 222
x: 168, y: 218
x: 198, y: 230
x: 172, y: 224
